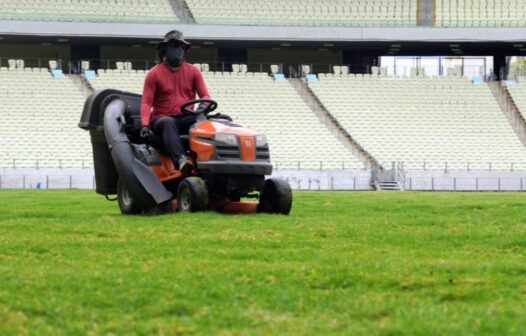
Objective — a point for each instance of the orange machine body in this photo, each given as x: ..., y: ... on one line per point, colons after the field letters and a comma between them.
x: 201, y: 143
x: 203, y: 134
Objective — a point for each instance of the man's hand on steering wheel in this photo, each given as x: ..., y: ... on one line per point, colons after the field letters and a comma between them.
x: 202, y: 108
x: 205, y: 107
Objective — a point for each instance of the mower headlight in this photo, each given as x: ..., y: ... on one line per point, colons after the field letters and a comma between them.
x: 229, y: 139
x: 261, y: 141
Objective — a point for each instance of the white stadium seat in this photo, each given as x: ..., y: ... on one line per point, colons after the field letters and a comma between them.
x: 345, y: 13
x: 40, y: 115
x: 296, y: 136
x: 480, y: 13
x: 129, y: 11
x: 423, y: 122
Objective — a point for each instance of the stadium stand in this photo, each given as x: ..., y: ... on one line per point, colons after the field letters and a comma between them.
x: 294, y: 132
x: 131, y: 11
x: 122, y: 78
x: 295, y: 135
x: 517, y: 70
x: 480, y: 13
x: 424, y: 123
x: 347, y: 13
x: 39, y: 120
x: 517, y: 91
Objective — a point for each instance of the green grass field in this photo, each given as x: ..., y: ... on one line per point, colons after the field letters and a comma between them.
x: 342, y: 263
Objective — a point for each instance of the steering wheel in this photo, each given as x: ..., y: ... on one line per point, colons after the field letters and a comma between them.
x: 212, y: 105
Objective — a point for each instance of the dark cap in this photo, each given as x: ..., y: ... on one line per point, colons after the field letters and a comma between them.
x: 174, y: 35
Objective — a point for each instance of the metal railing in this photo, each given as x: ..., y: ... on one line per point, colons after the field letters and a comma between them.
x: 280, y: 164
x: 48, y: 181
x: 497, y: 183
x: 32, y: 62
x: 317, y: 165
x: 352, y: 180
x: 75, y: 66
x: 292, y: 70
x: 43, y: 163
x: 400, y: 174
x: 467, y: 167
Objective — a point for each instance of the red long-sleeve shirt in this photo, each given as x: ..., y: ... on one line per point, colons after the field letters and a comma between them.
x: 166, y: 89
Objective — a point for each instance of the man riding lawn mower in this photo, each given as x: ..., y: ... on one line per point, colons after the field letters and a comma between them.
x: 191, y: 161
x: 230, y: 161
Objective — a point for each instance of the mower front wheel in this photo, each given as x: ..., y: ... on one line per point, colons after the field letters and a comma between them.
x: 192, y: 194
x: 127, y: 204
x: 275, y: 197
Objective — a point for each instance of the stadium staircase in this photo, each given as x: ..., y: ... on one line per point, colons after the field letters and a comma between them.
x: 332, y: 125
x: 509, y: 108
x: 82, y: 84
x: 183, y: 12
x: 425, y: 13
x: 393, y: 179
x: 388, y: 186
x: 382, y: 179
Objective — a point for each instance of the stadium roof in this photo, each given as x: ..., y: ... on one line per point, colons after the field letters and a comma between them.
x: 409, y: 41
x: 266, y: 33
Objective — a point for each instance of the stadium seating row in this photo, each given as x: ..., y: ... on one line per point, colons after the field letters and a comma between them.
x: 480, y: 13
x: 347, y: 13
x: 132, y: 11
x: 295, y: 134
x: 431, y: 122
x: 39, y: 121
x: 421, y: 122
x: 306, y: 12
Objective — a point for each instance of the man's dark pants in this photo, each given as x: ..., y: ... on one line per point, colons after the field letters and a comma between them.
x: 169, y: 129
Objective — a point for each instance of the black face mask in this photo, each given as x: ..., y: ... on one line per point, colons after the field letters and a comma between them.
x: 174, y: 56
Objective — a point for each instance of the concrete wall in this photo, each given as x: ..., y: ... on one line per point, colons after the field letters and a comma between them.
x: 30, y: 178
x: 327, y: 179
x: 262, y: 33
x: 295, y: 57
x: 145, y: 53
x: 466, y: 180
x: 202, y: 55
x: 128, y: 53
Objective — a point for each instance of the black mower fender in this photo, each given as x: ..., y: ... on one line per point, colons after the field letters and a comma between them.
x: 142, y: 184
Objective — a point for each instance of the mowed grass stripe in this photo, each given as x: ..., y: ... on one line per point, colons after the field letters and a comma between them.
x: 341, y: 263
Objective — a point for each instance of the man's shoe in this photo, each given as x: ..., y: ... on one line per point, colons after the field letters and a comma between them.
x: 185, y: 165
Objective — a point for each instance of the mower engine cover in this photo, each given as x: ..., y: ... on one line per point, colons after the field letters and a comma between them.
x: 224, y: 147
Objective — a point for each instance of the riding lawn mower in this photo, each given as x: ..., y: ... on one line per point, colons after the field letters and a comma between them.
x: 230, y: 160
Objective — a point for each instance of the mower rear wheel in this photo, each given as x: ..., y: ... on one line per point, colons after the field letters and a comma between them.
x: 275, y: 197
x: 127, y: 204
x: 192, y: 194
